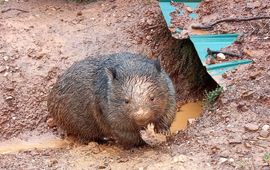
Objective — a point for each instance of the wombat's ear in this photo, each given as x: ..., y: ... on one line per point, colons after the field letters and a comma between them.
x: 157, y: 64
x: 111, y: 73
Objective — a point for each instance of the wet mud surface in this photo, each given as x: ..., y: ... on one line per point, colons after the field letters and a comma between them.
x: 41, y: 39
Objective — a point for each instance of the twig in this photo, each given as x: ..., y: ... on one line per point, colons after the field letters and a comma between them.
x: 210, y: 25
x: 10, y: 9
x: 210, y: 52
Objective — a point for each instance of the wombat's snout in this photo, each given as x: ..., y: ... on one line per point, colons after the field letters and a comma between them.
x: 143, y: 117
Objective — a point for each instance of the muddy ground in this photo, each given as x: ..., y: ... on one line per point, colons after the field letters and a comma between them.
x: 39, y: 39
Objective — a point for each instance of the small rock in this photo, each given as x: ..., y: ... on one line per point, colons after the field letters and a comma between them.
x: 122, y: 159
x: 255, y: 74
x: 92, y: 144
x: 129, y: 15
x: 247, y: 94
x: 255, y: 4
x: 79, y: 13
x: 231, y: 160
x: 150, y: 21
x: 221, y: 56
x: 224, y: 75
x: 6, y: 58
x: 51, y: 123
x: 235, y: 140
x: 52, y: 163
x: 190, y: 10
x: 2, y: 69
x: 148, y: 37
x: 265, y: 127
x: 191, y: 121
x: 180, y: 158
x: 9, y: 98
x: 9, y: 87
x: 94, y: 147
x: 248, y: 145
x: 6, y: 73
x: 102, y: 166
x: 264, y: 133
x: 222, y: 160
x: 251, y: 127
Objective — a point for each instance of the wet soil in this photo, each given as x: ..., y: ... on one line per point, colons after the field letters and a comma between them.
x: 40, y: 39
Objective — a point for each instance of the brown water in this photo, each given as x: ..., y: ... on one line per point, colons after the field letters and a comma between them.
x: 187, y: 111
x: 38, y: 142
x: 46, y: 141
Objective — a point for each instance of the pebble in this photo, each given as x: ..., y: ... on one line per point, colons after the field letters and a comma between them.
x: 248, y: 145
x: 235, y: 140
x: 191, y: 121
x: 6, y: 73
x: 221, y: 56
x: 122, y: 159
x: 222, y: 160
x: 179, y: 158
x: 6, y: 58
x: 251, y: 127
x: 150, y: 22
x: 148, y: 37
x: 102, y: 167
x: 95, y: 149
x: 9, y: 98
x: 231, y: 160
x: 79, y: 13
x: 264, y: 133
x: 189, y: 9
x: 253, y: 75
x: 265, y: 127
x: 2, y: 69
x: 52, y: 163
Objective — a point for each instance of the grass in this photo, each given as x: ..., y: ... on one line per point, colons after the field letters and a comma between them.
x: 266, y: 157
x: 211, y: 97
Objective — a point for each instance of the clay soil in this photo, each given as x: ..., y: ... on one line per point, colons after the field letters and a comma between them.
x: 40, y: 39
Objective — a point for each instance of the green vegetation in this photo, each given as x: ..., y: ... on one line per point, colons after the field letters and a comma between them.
x: 266, y: 157
x: 211, y: 97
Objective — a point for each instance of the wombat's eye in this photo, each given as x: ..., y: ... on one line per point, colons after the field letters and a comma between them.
x: 152, y: 98
x: 126, y: 101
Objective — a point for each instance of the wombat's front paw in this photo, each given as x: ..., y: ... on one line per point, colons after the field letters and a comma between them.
x: 164, y: 131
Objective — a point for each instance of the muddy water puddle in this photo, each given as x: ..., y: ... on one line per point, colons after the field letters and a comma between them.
x: 38, y: 142
x: 187, y: 111
x: 49, y: 141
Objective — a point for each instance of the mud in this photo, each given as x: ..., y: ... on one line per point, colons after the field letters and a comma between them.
x: 188, y: 112
x: 41, y: 41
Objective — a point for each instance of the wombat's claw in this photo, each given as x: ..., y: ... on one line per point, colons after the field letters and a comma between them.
x: 163, y: 131
x: 166, y: 133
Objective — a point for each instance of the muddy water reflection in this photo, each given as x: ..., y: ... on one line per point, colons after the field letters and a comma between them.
x: 187, y: 111
x: 37, y: 142
x: 46, y: 141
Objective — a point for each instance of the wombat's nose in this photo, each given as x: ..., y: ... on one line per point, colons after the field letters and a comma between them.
x: 143, y: 117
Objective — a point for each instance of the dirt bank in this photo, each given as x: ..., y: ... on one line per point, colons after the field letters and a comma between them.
x: 42, y: 38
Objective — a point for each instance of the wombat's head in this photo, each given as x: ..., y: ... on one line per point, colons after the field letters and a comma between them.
x: 138, y: 92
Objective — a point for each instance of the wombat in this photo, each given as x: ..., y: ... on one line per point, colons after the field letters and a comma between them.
x: 113, y: 96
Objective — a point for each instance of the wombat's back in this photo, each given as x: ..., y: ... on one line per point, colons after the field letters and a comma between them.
x: 72, y: 100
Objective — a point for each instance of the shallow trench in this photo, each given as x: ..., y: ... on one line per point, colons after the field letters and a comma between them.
x: 190, y: 84
x: 179, y: 58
